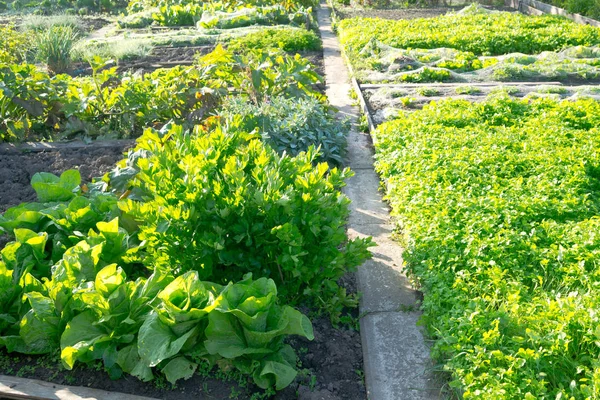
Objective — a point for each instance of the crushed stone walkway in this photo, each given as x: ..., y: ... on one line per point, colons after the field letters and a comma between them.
x: 396, y: 356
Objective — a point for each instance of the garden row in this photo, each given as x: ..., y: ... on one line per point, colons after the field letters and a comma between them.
x: 474, y: 52
x: 91, y: 265
x: 498, y: 207
x: 191, y: 254
x: 469, y: 46
x: 45, y: 104
x: 495, y: 196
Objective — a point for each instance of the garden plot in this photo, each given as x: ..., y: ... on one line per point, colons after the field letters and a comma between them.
x: 470, y: 54
x: 579, y: 64
x: 110, y: 95
x: 475, y: 45
x: 386, y: 102
x: 493, y: 180
x: 497, y: 205
x: 208, y: 294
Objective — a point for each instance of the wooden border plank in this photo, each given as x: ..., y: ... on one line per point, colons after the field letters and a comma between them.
x: 536, y: 7
x: 458, y: 84
x: 363, y: 104
x: 36, y: 147
x: 358, y: 89
x: 12, y: 387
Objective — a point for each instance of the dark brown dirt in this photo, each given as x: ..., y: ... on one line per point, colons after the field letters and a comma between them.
x: 16, y: 169
x: 94, y: 23
x: 168, y: 57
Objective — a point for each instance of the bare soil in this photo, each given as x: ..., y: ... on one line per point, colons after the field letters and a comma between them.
x: 17, y: 168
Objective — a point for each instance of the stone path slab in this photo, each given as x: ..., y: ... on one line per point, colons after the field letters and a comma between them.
x: 397, y: 363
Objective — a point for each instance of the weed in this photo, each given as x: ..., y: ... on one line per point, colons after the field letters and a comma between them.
x: 427, y: 91
x: 53, y: 47
x: 26, y: 370
x: 361, y: 376
x: 118, y: 50
x: 467, y: 90
x: 41, y: 23
x: 363, y: 123
x: 234, y: 393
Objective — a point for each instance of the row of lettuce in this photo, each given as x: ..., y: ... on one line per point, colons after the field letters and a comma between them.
x: 194, y: 250
x: 217, y: 14
x: 472, y: 45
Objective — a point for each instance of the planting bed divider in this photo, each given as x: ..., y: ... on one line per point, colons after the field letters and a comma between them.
x: 12, y: 387
x: 535, y: 7
x: 450, y: 85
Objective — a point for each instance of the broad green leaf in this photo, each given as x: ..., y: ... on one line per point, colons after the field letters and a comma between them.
x: 109, y: 279
x: 225, y: 336
x: 49, y: 187
x: 80, y: 334
x: 179, y: 368
x: 130, y: 361
x: 78, y: 264
x: 186, y: 298
x: 157, y: 342
x: 277, y: 370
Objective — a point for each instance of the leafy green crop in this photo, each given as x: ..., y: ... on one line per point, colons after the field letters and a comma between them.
x: 33, y: 104
x: 289, y: 39
x: 178, y: 15
x: 65, y: 286
x: 481, y: 34
x: 81, y: 7
x: 292, y: 125
x: 498, y: 204
x: 14, y: 44
x: 262, y: 74
x: 220, y: 202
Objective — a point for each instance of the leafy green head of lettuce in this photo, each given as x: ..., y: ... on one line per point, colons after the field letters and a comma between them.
x: 248, y: 328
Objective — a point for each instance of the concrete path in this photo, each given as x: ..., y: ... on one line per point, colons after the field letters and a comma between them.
x: 397, y: 363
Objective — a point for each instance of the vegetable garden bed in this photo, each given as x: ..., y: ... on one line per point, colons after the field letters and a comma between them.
x: 401, y: 61
x: 330, y: 369
x: 385, y: 102
x: 213, y: 315
x: 494, y: 190
x: 497, y: 204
